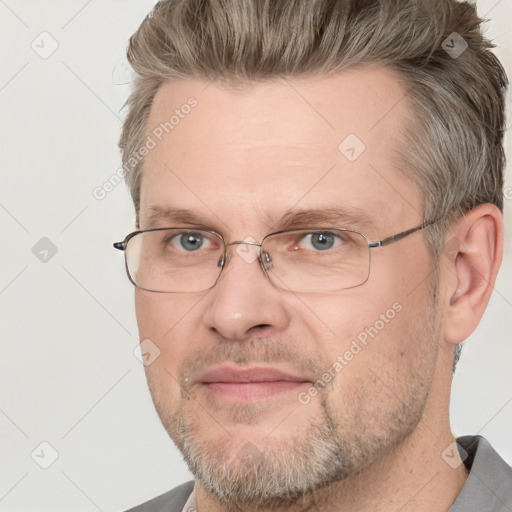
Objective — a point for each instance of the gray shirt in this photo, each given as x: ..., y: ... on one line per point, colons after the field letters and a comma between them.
x: 489, y: 484
x: 488, y: 487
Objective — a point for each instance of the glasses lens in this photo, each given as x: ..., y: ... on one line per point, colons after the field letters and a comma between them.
x: 174, y: 260
x: 317, y: 261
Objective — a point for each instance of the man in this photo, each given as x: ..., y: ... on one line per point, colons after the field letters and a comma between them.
x: 318, y: 190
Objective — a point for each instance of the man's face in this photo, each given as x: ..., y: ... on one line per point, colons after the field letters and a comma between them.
x: 239, y: 161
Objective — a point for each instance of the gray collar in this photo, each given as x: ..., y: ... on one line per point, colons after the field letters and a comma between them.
x: 489, y: 484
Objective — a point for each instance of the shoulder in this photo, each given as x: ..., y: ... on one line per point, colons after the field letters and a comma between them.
x: 172, y: 501
x: 489, y: 483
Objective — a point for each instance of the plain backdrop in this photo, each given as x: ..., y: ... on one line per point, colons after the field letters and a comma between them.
x: 70, y: 378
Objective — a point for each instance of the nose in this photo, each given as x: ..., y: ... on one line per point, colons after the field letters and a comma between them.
x: 244, y: 302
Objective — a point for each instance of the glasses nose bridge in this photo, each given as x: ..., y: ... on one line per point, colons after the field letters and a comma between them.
x: 266, y: 257
x: 228, y: 255
x: 248, y: 242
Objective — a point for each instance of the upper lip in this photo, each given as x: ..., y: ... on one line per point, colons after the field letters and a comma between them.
x: 255, y: 374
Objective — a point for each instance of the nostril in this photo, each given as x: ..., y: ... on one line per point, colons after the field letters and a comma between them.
x: 261, y: 326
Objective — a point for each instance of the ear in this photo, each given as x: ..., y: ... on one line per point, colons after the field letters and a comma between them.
x: 473, y: 253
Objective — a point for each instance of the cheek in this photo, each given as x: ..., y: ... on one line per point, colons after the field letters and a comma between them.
x: 378, y: 326
x: 338, y: 319
x: 151, y: 312
x: 400, y: 271
x: 162, y: 321
x: 167, y: 320
x: 159, y: 314
x: 382, y: 363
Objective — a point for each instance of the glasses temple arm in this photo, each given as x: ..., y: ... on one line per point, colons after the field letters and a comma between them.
x: 399, y: 236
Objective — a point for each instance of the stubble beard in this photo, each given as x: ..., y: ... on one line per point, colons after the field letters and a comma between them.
x: 333, y: 447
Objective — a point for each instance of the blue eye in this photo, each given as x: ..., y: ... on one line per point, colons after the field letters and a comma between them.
x: 321, y: 240
x: 190, y: 241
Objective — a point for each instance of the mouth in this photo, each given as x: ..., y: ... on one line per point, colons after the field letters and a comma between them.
x: 251, y: 383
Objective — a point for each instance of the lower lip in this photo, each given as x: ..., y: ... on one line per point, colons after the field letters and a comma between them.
x: 252, y: 390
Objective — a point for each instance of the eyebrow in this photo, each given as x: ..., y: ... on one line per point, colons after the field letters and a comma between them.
x: 346, y: 217
x: 342, y: 217
x: 169, y: 216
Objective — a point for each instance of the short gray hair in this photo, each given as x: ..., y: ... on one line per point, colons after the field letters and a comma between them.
x: 453, y: 148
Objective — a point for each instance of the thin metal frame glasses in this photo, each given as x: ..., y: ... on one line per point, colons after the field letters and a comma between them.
x: 297, y: 260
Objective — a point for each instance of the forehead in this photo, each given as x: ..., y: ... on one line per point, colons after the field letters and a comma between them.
x: 260, y: 149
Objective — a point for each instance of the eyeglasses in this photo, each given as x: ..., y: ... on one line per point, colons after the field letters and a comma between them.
x: 313, y: 260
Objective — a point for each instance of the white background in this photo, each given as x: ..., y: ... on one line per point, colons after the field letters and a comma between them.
x: 68, y: 373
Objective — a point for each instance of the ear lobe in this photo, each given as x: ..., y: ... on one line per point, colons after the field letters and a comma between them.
x: 473, y: 257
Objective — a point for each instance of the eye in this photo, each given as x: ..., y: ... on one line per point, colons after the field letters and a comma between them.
x: 321, y: 241
x: 190, y: 241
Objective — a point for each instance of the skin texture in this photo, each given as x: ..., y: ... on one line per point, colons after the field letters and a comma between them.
x: 372, y: 439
